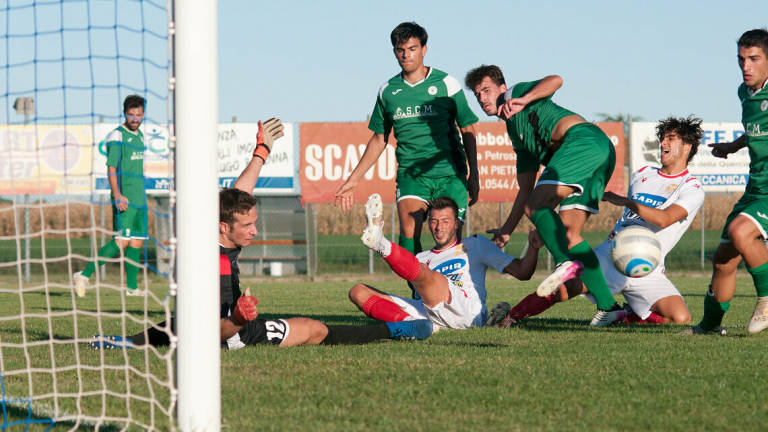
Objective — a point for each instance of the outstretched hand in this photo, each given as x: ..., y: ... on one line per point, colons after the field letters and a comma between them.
x: 345, y: 196
x: 720, y: 150
x: 511, y: 107
x: 615, y: 199
x: 268, y: 133
x: 245, y: 309
x: 499, y: 238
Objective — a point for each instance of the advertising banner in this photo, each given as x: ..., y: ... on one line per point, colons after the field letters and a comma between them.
x: 715, y: 174
x: 330, y: 152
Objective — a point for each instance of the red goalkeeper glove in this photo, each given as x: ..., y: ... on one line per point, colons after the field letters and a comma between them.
x: 245, y: 309
x: 268, y: 133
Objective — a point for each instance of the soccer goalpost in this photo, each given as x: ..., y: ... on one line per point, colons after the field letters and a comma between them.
x: 65, y: 68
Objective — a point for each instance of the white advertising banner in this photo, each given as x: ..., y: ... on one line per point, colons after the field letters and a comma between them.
x: 235, y: 149
x: 715, y: 174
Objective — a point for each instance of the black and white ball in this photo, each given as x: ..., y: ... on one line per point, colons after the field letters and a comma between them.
x: 635, y: 251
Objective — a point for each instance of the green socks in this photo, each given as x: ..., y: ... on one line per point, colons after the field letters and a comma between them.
x: 713, y: 311
x: 760, y: 278
x: 552, y: 232
x: 109, y: 250
x: 412, y: 245
x: 593, y: 276
x: 132, y: 270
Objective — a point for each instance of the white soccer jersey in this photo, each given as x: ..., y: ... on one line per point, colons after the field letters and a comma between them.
x: 650, y: 187
x: 465, y: 263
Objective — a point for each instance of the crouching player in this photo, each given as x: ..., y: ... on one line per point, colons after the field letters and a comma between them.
x: 450, y: 278
x: 664, y: 200
x: 239, y: 325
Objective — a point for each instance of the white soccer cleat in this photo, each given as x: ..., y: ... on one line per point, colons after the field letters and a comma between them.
x: 605, y: 318
x: 80, y: 283
x: 373, y: 234
x: 564, y: 271
x: 697, y: 330
x: 135, y: 292
x: 759, y: 320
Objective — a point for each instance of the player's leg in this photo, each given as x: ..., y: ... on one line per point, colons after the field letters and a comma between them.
x: 377, y: 304
x: 109, y: 250
x: 672, y: 309
x: 748, y: 233
x: 139, y: 232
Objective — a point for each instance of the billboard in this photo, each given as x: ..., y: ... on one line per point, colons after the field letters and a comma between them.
x: 330, y: 152
x: 715, y: 174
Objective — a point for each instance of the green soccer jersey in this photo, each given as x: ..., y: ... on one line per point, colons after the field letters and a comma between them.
x: 754, y: 117
x: 125, y: 152
x: 424, y: 116
x: 531, y: 129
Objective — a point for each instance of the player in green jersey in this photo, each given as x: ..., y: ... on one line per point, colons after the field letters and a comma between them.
x: 125, y: 171
x: 426, y: 108
x: 746, y: 227
x: 578, y: 159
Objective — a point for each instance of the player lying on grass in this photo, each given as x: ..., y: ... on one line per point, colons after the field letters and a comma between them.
x: 578, y: 159
x: 450, y: 278
x: 239, y: 325
x: 664, y: 200
x: 746, y: 227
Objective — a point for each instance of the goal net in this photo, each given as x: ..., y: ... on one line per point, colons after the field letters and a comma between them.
x: 66, y: 68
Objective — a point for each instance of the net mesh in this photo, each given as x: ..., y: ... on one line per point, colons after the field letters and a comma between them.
x: 67, y: 66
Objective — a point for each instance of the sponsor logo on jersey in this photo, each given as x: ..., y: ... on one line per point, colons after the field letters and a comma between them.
x: 432, y: 90
x: 137, y: 155
x: 670, y: 188
x: 762, y: 215
x: 648, y: 199
x: 764, y: 105
x: 414, y: 111
x: 396, y: 91
x: 450, y: 266
x: 753, y: 130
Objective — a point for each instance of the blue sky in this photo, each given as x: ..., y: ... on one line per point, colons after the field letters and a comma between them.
x: 323, y: 61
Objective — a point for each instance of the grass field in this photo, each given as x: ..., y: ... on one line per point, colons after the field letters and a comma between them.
x: 550, y: 373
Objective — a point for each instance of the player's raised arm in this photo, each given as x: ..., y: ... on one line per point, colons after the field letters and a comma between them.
x: 546, y: 87
x: 268, y: 133
x: 722, y: 150
x: 345, y: 193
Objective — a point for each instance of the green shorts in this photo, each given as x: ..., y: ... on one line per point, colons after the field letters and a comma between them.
x: 755, y: 207
x: 586, y: 161
x: 131, y: 223
x: 426, y: 189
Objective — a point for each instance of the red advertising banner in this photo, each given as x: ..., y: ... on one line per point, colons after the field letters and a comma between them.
x: 330, y: 151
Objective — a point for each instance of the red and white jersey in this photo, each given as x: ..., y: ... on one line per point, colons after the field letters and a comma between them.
x: 465, y: 263
x: 648, y: 186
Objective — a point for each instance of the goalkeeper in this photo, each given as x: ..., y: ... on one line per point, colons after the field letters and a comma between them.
x: 239, y: 325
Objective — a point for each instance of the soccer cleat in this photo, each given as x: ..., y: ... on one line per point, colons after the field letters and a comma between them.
x: 564, y: 271
x: 498, y: 315
x: 697, y: 330
x: 373, y: 236
x: 605, y: 318
x: 759, y: 320
x: 135, y: 292
x: 110, y: 342
x: 80, y: 283
x: 413, y: 329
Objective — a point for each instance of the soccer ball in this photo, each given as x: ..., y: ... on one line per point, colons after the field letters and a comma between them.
x: 635, y: 251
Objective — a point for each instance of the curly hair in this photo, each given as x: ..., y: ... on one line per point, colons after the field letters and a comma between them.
x: 133, y: 101
x: 755, y: 38
x: 233, y: 201
x: 476, y: 75
x: 689, y: 130
x: 443, y: 202
x: 405, y: 31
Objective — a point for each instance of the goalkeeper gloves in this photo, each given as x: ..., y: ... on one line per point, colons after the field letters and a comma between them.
x: 245, y: 309
x: 270, y: 131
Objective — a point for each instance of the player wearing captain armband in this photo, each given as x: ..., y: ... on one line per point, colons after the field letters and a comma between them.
x: 435, y: 131
x: 665, y: 200
x: 578, y: 160
x: 746, y: 227
x: 239, y: 325
x: 450, y: 278
x: 125, y: 170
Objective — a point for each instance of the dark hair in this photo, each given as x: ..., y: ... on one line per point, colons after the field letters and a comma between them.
x: 233, y: 201
x: 133, y: 101
x: 755, y: 38
x: 476, y: 75
x: 405, y: 31
x: 689, y: 130
x: 443, y: 202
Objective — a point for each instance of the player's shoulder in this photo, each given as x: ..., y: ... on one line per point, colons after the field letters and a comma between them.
x: 115, y: 134
x: 692, y: 181
x: 392, y: 82
x: 452, y: 85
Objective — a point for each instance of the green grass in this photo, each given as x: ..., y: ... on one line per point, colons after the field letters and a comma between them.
x: 550, y: 373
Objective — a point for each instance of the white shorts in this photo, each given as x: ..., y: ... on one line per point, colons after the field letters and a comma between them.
x: 464, y: 311
x: 641, y: 293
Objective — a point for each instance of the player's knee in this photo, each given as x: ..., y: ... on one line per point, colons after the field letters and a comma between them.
x: 359, y: 294
x: 317, y: 332
x: 681, y: 317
